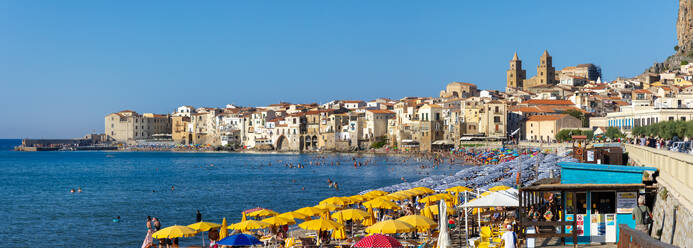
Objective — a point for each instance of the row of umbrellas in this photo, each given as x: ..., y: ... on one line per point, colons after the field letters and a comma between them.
x: 335, y: 221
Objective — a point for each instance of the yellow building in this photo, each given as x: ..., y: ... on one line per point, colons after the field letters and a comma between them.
x: 128, y: 125
x: 459, y: 89
x: 543, y: 128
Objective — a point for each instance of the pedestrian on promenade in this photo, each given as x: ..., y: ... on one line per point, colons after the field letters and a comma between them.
x: 642, y: 216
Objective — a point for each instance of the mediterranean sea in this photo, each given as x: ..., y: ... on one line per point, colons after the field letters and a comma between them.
x: 38, y: 209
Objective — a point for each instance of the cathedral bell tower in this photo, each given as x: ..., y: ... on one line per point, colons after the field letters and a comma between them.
x: 515, y: 75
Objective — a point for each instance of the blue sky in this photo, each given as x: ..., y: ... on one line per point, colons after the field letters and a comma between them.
x: 64, y: 65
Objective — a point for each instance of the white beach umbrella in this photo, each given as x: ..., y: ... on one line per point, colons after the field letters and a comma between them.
x: 443, y: 236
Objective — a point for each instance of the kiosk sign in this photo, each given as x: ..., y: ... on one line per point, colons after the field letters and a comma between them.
x: 625, y: 202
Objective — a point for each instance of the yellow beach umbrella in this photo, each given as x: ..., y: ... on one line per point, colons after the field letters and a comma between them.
x: 426, y: 189
x: 243, y: 218
x: 293, y: 215
x: 382, y: 204
x: 203, y: 226
x: 390, y: 226
x: 499, y: 188
x: 417, y: 191
x: 426, y: 212
x: 350, y: 214
x: 406, y: 193
x: 340, y: 233
x: 458, y: 189
x: 310, y: 211
x: 434, y: 210
x: 263, y: 212
x: 435, y: 198
x: 222, y: 229
x: 174, y: 232
x: 320, y: 225
x: 376, y: 193
x: 422, y: 223
x: 279, y: 221
x: 327, y: 206
x: 249, y: 225
x: 339, y: 201
x: 356, y: 198
x: 370, y: 220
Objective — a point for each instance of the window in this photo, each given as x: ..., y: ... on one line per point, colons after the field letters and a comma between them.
x: 496, y: 119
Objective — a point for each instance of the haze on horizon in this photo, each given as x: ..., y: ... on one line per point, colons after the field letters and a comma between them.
x: 65, y: 65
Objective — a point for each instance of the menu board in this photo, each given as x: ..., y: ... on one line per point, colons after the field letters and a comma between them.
x: 590, y: 156
x: 625, y: 202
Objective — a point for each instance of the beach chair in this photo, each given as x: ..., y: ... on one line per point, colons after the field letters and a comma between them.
x: 308, y: 243
x: 485, y: 234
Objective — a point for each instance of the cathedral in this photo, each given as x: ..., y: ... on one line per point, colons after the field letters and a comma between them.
x: 516, y: 76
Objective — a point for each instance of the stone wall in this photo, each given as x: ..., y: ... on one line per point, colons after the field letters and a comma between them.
x: 673, y: 224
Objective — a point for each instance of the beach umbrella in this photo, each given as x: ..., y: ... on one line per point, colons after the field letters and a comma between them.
x: 203, y: 227
x: 222, y: 229
x: 376, y: 193
x: 327, y: 206
x: 310, y: 211
x: 426, y: 212
x: 356, y: 198
x: 434, y: 210
x: 434, y: 198
x: 279, y: 221
x: 378, y: 241
x: 370, y: 220
x: 458, y: 189
x: 320, y: 225
x: 498, y: 188
x: 175, y: 231
x: 390, y: 226
x: 262, y: 212
x: 382, y: 204
x: 240, y: 240
x: 351, y: 214
x: 443, y: 236
x: 339, y: 201
x: 426, y: 189
x: 340, y: 233
x: 407, y: 193
x: 416, y: 192
x: 422, y: 223
x: 249, y: 225
x: 398, y: 196
x: 244, y: 218
x: 294, y: 215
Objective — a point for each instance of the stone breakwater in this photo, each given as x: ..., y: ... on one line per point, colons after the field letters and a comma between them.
x: 533, y: 168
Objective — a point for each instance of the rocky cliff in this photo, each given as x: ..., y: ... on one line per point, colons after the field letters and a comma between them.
x: 684, y: 27
x: 684, y: 34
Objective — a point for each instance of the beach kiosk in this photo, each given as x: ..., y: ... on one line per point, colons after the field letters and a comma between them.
x: 588, y: 203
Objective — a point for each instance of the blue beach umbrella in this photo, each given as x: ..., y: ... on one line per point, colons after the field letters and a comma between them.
x: 240, y: 240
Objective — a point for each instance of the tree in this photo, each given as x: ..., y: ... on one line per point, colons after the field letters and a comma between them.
x: 684, y: 62
x: 676, y: 48
x: 613, y: 133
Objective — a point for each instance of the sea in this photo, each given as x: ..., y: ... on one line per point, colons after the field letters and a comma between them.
x: 38, y: 209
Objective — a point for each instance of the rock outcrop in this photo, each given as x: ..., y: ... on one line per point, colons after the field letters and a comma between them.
x: 684, y: 47
x: 684, y: 27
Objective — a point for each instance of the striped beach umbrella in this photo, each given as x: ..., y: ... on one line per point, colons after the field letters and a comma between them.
x: 378, y: 241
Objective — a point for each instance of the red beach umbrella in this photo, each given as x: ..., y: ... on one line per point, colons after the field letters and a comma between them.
x: 378, y: 241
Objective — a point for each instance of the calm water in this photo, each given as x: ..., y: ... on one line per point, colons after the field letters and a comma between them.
x: 37, y: 207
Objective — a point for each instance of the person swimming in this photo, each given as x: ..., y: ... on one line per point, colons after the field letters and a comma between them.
x: 79, y: 189
x: 72, y: 190
x: 116, y: 219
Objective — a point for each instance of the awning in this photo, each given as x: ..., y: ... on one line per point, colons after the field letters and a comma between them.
x: 442, y: 142
x: 505, y: 198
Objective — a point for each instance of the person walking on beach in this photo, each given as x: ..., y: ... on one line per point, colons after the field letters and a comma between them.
x: 199, y: 216
x: 509, y: 237
x: 642, y: 216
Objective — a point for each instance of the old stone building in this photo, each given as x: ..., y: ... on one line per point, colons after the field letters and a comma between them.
x: 127, y: 125
x: 459, y: 89
x: 515, y: 75
x: 546, y: 73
